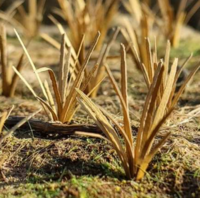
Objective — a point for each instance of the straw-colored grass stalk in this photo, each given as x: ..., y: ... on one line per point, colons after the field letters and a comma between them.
x: 62, y: 104
x: 78, y: 56
x: 8, y: 14
x: 138, y: 39
x: 172, y: 22
x: 9, y: 79
x: 136, y: 34
x: 4, y: 116
x: 149, y: 69
x: 88, y: 17
x: 146, y: 59
x: 135, y: 157
x: 30, y: 21
x: 134, y: 7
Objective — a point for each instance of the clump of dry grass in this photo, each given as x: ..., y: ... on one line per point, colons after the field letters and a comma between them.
x: 169, y: 22
x: 134, y: 7
x: 159, y: 104
x: 87, y: 17
x: 136, y: 35
x: 62, y: 105
x: 172, y: 22
x: 149, y: 69
x: 79, y: 56
x: 9, y: 79
x: 30, y: 21
x: 9, y: 13
x: 137, y: 39
x: 146, y: 59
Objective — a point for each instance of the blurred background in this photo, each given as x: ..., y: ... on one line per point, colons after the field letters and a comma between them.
x: 51, y: 4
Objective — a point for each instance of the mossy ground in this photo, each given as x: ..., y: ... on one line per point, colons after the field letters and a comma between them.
x: 87, y: 167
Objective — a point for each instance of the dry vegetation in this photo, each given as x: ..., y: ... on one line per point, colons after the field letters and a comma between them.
x: 121, y: 122
x: 9, y: 79
x: 31, y: 20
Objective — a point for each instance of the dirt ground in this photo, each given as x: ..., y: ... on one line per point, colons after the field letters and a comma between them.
x: 86, y: 167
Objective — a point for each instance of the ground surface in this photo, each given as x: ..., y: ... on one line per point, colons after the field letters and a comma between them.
x: 86, y: 167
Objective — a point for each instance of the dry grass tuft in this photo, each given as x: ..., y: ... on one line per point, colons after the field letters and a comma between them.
x: 62, y: 105
x: 88, y: 17
x: 137, y: 39
x: 168, y: 21
x: 172, y: 22
x: 30, y: 21
x: 160, y: 102
x: 9, y: 13
x: 77, y: 57
x: 9, y: 79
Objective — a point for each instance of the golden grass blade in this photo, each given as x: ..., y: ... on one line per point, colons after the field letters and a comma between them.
x: 131, y: 33
x: 177, y: 96
x: 124, y: 75
x: 166, y: 63
x: 121, y: 131
x: 192, y: 11
x: 5, y: 71
x: 95, y: 74
x: 59, y: 26
x: 98, y: 80
x: 32, y: 64
x: 93, y: 135
x: 136, y: 9
x: 150, y: 65
x: 54, y: 86
x: 102, y: 119
x: 2, y: 120
x: 13, y: 7
x: 50, y: 40
x: 57, y: 45
x: 141, y: 136
x: 147, y: 160
x: 62, y: 69
x: 10, y: 111
x: 148, y: 144
x: 50, y: 97
x: 104, y: 125
x: 117, y: 90
x: 166, y: 95
x: 182, y: 66
x: 177, y: 30
x: 18, y: 125
x: 79, y: 77
x: 127, y: 122
x: 97, y: 84
x: 152, y: 103
x: 41, y: 7
x: 80, y: 52
x: 155, y: 59
x: 176, y: 78
x: 25, y: 81
x: 182, y: 6
x: 15, y: 76
x: 66, y: 75
x: 112, y: 8
x: 55, y: 117
x: 109, y: 45
x: 62, y: 31
x: 32, y: 8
